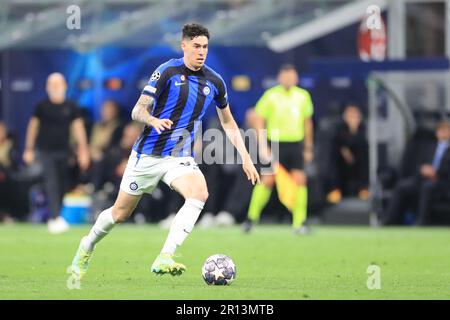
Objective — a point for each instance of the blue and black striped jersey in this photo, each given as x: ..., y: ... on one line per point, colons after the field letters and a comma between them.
x: 183, y: 96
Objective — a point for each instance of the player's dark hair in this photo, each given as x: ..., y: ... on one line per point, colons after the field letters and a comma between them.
x: 192, y: 30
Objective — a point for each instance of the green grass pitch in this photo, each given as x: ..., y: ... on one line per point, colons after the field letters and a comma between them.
x: 272, y: 263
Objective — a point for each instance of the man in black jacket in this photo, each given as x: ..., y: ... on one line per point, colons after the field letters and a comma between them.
x: 431, y: 179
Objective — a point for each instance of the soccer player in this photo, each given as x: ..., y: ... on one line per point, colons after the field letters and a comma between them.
x: 286, y: 112
x: 171, y: 105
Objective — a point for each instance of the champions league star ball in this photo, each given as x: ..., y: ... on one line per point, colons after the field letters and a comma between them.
x: 219, y: 269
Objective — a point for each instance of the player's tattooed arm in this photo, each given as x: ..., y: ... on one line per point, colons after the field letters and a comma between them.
x: 141, y: 113
x: 142, y: 109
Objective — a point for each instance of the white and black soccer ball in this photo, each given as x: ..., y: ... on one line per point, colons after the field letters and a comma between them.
x: 219, y: 269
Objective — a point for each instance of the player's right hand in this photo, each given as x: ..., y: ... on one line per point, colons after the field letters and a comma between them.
x: 251, y: 172
x: 28, y: 156
x: 161, y: 124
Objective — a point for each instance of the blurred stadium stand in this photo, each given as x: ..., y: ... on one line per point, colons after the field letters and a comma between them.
x: 121, y: 42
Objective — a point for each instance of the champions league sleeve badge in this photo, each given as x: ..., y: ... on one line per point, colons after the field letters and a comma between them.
x: 155, y: 76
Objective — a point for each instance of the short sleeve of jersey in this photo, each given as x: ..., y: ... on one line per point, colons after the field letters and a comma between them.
x: 157, y: 82
x: 263, y: 106
x: 308, y: 110
x: 221, y: 97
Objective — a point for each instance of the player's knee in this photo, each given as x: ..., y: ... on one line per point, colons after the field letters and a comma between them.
x: 201, y: 195
x: 198, y: 193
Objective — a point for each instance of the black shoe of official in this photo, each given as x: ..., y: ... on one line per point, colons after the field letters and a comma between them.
x: 247, y: 226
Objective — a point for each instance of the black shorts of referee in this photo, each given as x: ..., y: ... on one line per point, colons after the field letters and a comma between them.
x: 288, y: 154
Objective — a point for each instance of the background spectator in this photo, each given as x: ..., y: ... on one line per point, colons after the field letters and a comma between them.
x: 428, y: 182
x: 112, y: 165
x: 49, y: 131
x: 349, y: 157
x: 105, y: 132
x: 6, y: 149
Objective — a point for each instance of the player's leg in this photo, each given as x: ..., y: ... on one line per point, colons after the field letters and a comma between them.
x: 118, y: 213
x: 260, y: 196
x: 301, y: 199
x: 192, y: 186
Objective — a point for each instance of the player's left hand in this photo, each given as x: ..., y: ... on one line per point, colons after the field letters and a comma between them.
x: 251, y: 172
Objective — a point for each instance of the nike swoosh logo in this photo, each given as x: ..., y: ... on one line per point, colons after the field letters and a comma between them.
x: 179, y: 83
x: 186, y: 231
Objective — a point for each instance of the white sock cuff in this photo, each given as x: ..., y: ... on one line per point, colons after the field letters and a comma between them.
x: 195, y: 202
x: 105, y: 221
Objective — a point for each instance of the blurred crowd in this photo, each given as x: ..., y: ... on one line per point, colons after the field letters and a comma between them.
x: 89, y: 161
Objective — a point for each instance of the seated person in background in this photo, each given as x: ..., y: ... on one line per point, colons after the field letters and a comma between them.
x: 431, y: 179
x: 418, y: 143
x: 112, y: 167
x: 6, y: 146
x: 106, y: 131
x: 350, y: 157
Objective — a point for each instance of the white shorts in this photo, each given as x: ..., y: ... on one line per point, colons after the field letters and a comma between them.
x: 143, y: 174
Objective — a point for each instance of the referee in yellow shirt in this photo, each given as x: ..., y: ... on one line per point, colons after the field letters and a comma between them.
x: 286, y: 112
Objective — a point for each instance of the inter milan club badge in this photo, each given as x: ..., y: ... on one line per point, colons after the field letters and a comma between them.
x: 206, y: 90
x: 182, y: 78
x: 133, y: 186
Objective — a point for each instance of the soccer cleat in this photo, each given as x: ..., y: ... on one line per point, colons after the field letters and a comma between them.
x: 164, y: 264
x: 80, y: 263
